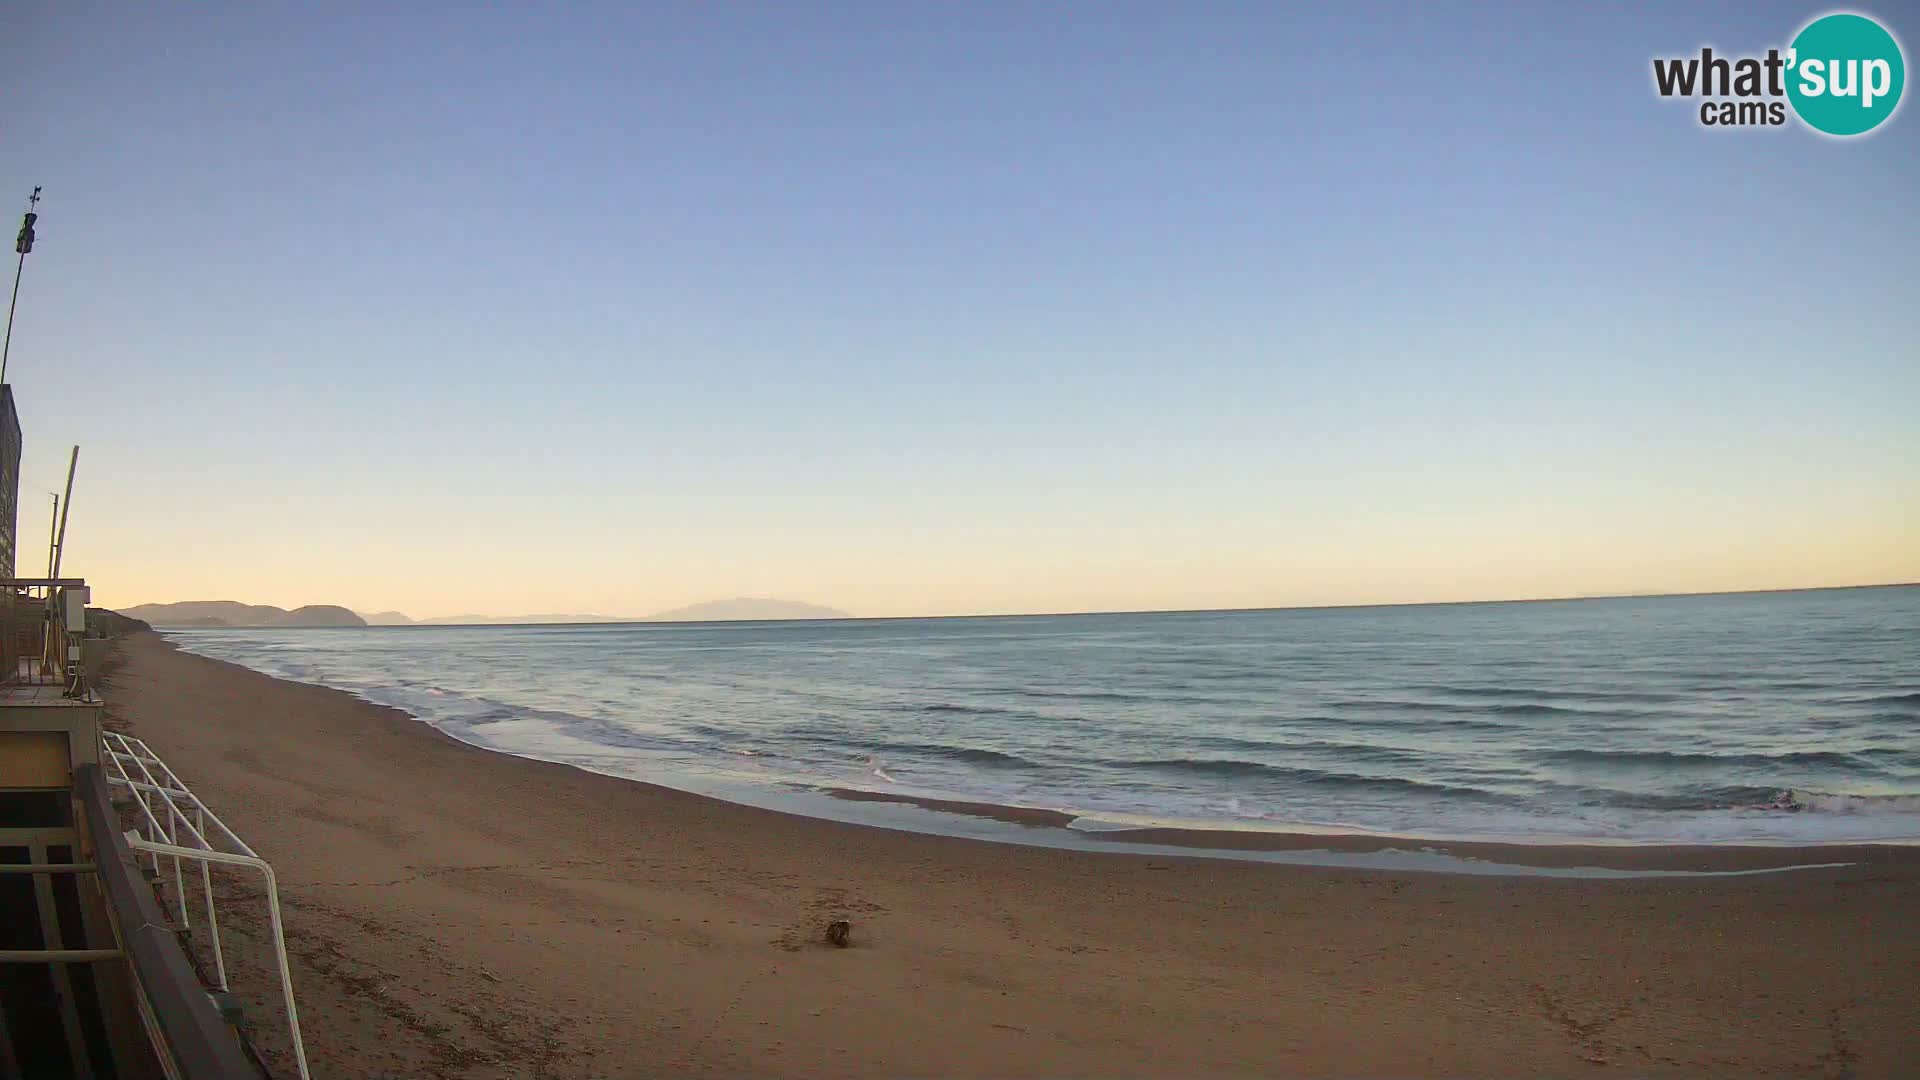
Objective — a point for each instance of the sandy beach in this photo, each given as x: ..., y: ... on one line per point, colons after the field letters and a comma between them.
x: 454, y: 912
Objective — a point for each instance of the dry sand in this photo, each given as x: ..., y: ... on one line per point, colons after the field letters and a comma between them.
x: 455, y: 912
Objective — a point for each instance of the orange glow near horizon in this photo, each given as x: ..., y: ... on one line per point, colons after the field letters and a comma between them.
x: 960, y: 568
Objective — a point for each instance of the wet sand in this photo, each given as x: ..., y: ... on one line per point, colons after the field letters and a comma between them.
x: 455, y: 912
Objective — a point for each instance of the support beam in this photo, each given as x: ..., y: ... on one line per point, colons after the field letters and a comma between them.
x: 55, y: 941
x: 9, y: 1061
x: 113, y: 984
x: 58, y: 956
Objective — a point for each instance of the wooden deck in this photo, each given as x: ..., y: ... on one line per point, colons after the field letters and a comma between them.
x: 41, y: 694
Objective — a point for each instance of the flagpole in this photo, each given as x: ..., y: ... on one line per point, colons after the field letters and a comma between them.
x: 19, y: 266
x: 22, y: 245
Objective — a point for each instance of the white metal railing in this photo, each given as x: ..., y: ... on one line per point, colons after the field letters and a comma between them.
x: 176, y: 827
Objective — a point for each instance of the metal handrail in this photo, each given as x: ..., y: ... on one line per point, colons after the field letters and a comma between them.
x: 188, y: 1034
x: 204, y: 856
x: 164, y: 795
x: 148, y: 757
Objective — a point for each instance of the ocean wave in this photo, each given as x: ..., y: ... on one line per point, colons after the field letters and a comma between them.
x: 972, y: 755
x: 1319, y: 747
x: 1534, y: 708
x: 1460, y: 707
x: 1450, y: 723
x: 955, y: 707
x: 1244, y: 768
x: 1901, y: 702
x: 1821, y: 802
x: 1230, y: 676
x: 1765, y: 800
x: 470, y: 717
x: 1633, y: 697
x: 1098, y: 695
x: 1384, y: 755
x: 1723, y: 798
x: 1836, y: 758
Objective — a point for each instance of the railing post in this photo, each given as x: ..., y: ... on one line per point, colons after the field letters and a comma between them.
x: 286, y: 969
x: 213, y: 917
x: 179, y: 883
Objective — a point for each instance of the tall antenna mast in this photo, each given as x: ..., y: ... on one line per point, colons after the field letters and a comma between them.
x: 53, y: 523
x: 22, y: 244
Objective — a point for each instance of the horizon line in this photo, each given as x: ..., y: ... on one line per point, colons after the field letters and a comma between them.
x: 624, y: 619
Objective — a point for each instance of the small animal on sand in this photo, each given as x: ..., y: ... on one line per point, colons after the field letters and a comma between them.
x: 839, y: 931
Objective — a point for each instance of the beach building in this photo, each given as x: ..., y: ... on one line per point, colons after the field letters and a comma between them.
x: 111, y: 963
x: 9, y: 480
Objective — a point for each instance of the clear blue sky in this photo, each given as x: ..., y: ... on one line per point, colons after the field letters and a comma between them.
x: 941, y: 308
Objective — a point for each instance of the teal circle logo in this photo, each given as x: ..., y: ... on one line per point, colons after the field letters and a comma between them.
x: 1845, y: 74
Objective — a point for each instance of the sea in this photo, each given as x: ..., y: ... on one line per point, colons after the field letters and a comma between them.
x: 1790, y: 717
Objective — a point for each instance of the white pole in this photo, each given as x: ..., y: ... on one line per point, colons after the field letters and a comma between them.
x: 66, y: 507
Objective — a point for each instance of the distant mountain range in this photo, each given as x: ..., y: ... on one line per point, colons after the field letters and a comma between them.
x: 232, y: 613
x: 190, y: 613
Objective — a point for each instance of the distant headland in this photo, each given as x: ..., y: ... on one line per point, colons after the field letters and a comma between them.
x: 233, y: 613
x: 207, y: 613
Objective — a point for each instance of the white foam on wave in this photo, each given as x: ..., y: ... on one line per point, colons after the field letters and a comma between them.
x: 1817, y: 802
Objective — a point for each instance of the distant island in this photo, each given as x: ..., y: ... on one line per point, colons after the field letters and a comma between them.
x: 739, y: 609
x: 207, y: 613
x: 744, y: 609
